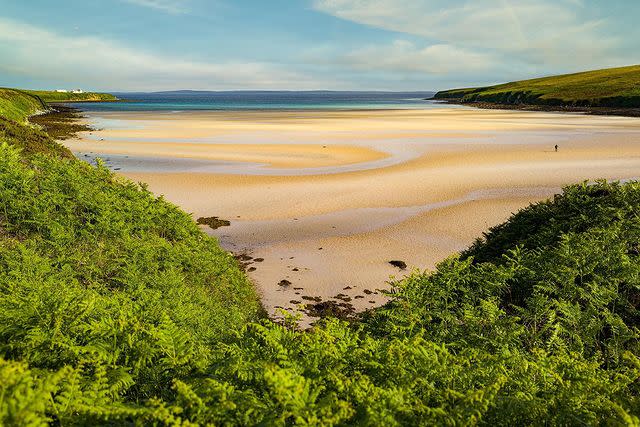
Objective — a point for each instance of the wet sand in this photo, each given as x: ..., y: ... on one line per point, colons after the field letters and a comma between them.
x: 328, y: 198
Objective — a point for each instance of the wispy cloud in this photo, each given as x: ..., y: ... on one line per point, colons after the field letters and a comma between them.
x: 406, y: 57
x: 549, y: 32
x: 167, y: 6
x: 98, y: 63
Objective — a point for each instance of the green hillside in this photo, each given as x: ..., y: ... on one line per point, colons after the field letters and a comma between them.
x: 18, y: 105
x: 115, y: 309
x: 613, y: 87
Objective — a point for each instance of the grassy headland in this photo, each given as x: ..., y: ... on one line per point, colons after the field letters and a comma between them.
x: 52, y: 96
x: 613, y: 88
x: 115, y: 309
x: 18, y: 105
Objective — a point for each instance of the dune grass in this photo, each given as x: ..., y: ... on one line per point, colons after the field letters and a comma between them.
x: 613, y: 87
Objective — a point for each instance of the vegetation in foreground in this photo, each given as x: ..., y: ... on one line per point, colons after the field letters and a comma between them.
x: 30, y: 140
x: 116, y: 310
x: 612, y: 87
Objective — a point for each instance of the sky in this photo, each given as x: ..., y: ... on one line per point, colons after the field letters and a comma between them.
x: 421, y: 45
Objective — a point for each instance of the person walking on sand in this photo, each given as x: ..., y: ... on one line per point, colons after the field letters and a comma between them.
x: 556, y: 147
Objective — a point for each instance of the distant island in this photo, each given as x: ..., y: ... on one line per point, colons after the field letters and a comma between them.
x: 614, y: 91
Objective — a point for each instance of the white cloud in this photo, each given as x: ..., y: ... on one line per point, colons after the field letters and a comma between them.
x: 93, y: 62
x: 404, y: 56
x: 168, y: 6
x: 550, y: 32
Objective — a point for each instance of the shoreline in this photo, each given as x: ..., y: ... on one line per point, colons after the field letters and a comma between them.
x: 83, y: 101
x: 596, y: 111
x: 61, y: 122
x: 244, y: 110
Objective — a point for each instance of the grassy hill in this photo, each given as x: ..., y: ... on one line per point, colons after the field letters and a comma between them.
x: 613, y: 87
x: 18, y: 105
x: 115, y: 309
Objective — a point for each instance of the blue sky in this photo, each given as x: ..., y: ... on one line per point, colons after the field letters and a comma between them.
x: 308, y: 44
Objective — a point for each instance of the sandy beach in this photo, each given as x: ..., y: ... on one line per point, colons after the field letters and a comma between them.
x: 326, y: 199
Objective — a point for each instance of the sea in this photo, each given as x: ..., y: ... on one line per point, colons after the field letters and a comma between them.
x: 261, y: 100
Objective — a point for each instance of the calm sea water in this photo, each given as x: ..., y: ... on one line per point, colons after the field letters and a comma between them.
x: 261, y: 100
